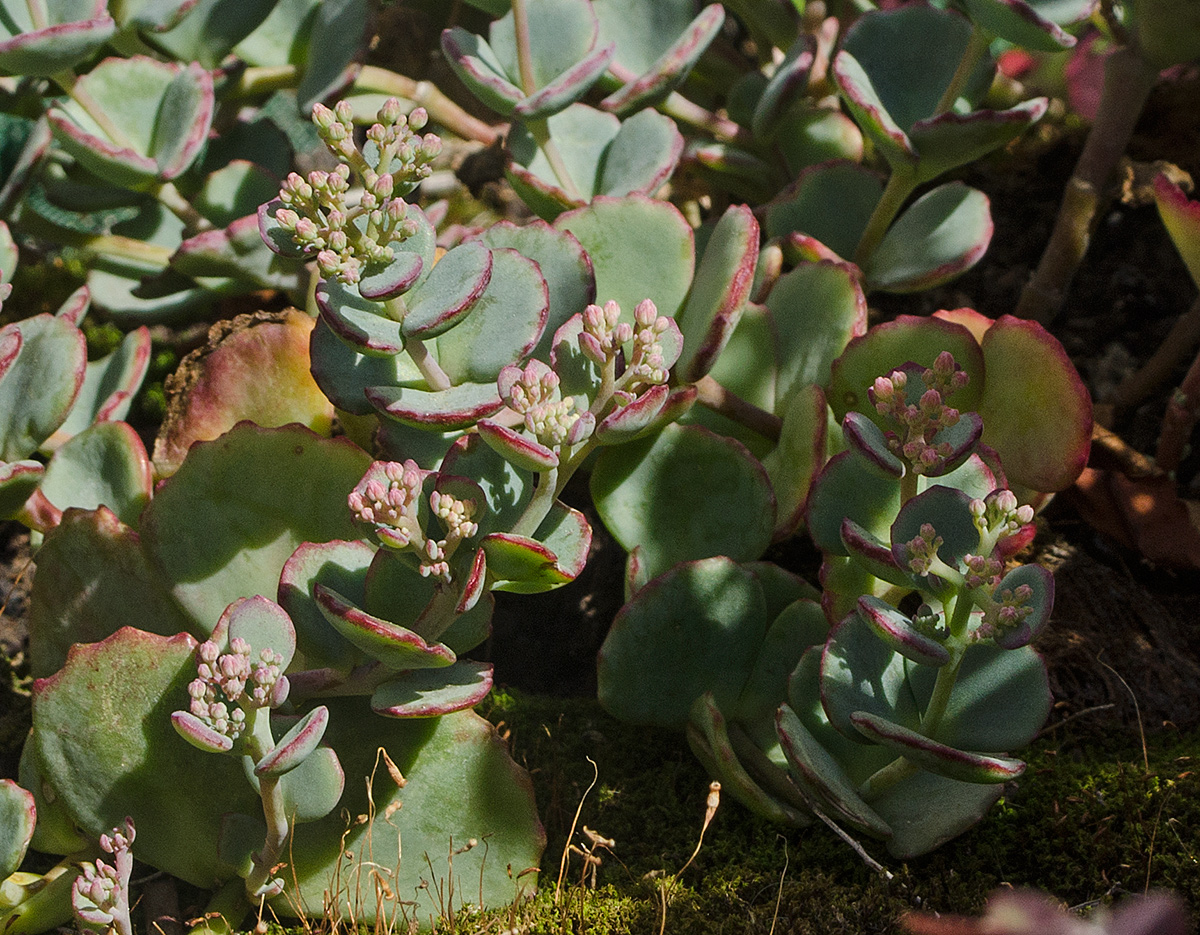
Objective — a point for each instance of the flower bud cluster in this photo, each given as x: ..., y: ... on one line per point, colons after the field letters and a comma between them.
x: 998, y: 514
x: 232, y: 678
x: 646, y: 364
x: 982, y: 571
x: 604, y: 334
x: 1007, y: 612
x: 456, y: 517
x: 318, y: 211
x: 921, y: 551
x: 100, y: 894
x: 534, y: 394
x: 918, y: 423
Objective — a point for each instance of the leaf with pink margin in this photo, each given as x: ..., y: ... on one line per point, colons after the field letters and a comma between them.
x: 1182, y: 220
x: 274, y: 235
x: 937, y: 757
x: 434, y: 692
x: 950, y: 140
x: 18, y: 816
x: 898, y: 632
x: 873, y: 555
x: 561, y: 34
x: 567, y: 88
x: 789, y: 80
x: 262, y: 623
x: 449, y: 292
x: 104, y: 465
x: 830, y: 202
x: 362, y: 323
x: 633, y: 420
x: 341, y: 565
x: 640, y: 248
x: 720, y: 290
x: 18, y: 481
x: 816, y: 308
x: 41, y: 382
x: 344, y: 375
x: 671, y: 68
x: 396, y: 647
x: 456, y: 408
x: 869, y: 112
x: 947, y: 509
x: 869, y: 442
x: 295, y: 746
x: 886, y: 346
x: 507, y: 490
x: 109, y: 385
x: 57, y: 46
x: 388, y: 280
x: 1036, y: 410
x: 254, y: 368
x: 199, y: 734
x: 1041, y: 603
x: 75, y: 306
x: 796, y: 459
x: 848, y: 487
x: 553, y: 556
x: 478, y: 68
x: 940, y: 236
x: 522, y: 450
x: 1025, y: 25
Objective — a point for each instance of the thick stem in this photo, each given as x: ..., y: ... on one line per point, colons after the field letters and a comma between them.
x: 37, y: 13
x: 1127, y: 83
x: 886, y: 777
x: 539, y: 505
x: 259, y: 743
x: 434, y: 375
x: 524, y: 52
x: 684, y: 111
x: 908, y: 485
x: 1140, y: 385
x: 712, y: 394
x: 170, y: 198
x: 977, y: 45
x: 900, y: 185
x: 541, y: 135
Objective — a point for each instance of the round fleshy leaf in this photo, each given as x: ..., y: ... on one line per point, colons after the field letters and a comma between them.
x: 1041, y: 602
x: 640, y: 248
x: 925, y: 811
x: 562, y: 33
x: 521, y: 450
x: 478, y: 68
x: 809, y: 135
x: 221, y: 504
x: 873, y: 555
x: 816, y: 308
x: 296, y: 745
x: 641, y: 157
x: 583, y: 135
x: 509, y: 319
x: 1036, y: 411
x: 434, y: 692
x: 263, y: 624
x: 563, y: 263
x: 830, y: 202
x: 719, y: 291
x: 848, y: 487
x: 797, y: 627
x: 859, y: 672
x: 388, y: 280
x: 105, y: 465
x: 1182, y: 220
x: 1000, y: 701
x: 898, y: 632
x: 869, y: 442
x: 567, y: 88
x: 507, y: 490
x: 943, y: 234
x: 527, y: 565
x: 459, y: 407
x: 663, y: 75
x: 888, y: 346
x: 314, y: 788
x: 91, y: 731
x: 18, y: 816
x: 74, y: 32
x: 821, y: 772
x: 199, y: 734
x: 708, y: 736
x: 18, y: 481
x: 790, y: 78
x: 1024, y: 24
x: 210, y: 30
x: 639, y: 510
x: 339, y: 565
x: 343, y: 374
x: 950, y: 140
x: 459, y: 784
x: 362, y: 323
x: 41, y: 382
x: 947, y: 510
x: 396, y: 647
x: 937, y: 757
x: 796, y: 459
x: 279, y: 239
x: 109, y: 385
x: 625, y: 423
x: 450, y: 291
x: 695, y: 629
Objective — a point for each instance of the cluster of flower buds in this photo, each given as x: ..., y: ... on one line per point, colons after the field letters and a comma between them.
x: 921, y: 551
x: 604, y: 335
x: 1008, y: 610
x: 100, y: 894
x: 389, y: 499
x: 998, y: 515
x: 928, y: 622
x: 646, y: 363
x: 233, y: 678
x: 318, y: 210
x: 919, y: 423
x: 534, y: 394
x: 983, y: 571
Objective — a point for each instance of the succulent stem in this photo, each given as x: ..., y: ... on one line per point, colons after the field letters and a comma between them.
x: 716, y: 397
x: 900, y: 185
x: 425, y: 94
x: 541, y: 134
x: 977, y: 45
x: 434, y: 375
x: 169, y: 197
x: 539, y: 504
x: 37, y: 13
x: 524, y: 52
x: 259, y: 742
x: 884, y: 778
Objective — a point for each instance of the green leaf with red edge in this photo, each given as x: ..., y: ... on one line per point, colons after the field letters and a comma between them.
x: 395, y: 646
x: 70, y: 33
x: 362, y: 323
x: 553, y: 556
x: 1040, y: 581
x: 947, y: 510
x: 295, y: 746
x: 458, y: 407
x: 795, y: 460
x: 105, y: 464
x: 640, y: 248
x: 797, y: 627
x: 46, y: 361
x: 897, y: 631
x: 719, y: 291
x: 950, y: 140
x: 18, y: 481
x: 434, y: 692
x: 1182, y: 220
x: 263, y: 625
x: 1035, y: 25
x: 1036, y: 410
x: 562, y: 33
x: 940, y: 236
x: 831, y: 201
x: 886, y: 346
x: 18, y: 815
x: 109, y: 385
x: 849, y: 487
x: 343, y: 374
x: 567, y: 88
x: 786, y: 84
x: 450, y: 292
x: 638, y: 510
x: 340, y: 565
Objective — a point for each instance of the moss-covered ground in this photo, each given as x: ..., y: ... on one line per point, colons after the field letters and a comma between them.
x: 1087, y: 822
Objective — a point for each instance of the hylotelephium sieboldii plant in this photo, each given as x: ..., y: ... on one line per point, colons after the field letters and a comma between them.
x: 100, y: 894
